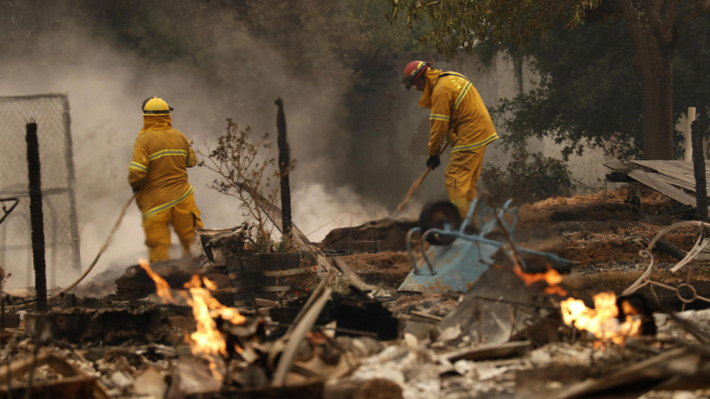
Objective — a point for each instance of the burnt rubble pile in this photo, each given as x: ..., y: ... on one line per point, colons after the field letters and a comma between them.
x: 375, y: 236
x: 236, y: 324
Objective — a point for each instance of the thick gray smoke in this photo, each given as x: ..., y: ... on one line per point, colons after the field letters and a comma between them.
x: 55, y: 49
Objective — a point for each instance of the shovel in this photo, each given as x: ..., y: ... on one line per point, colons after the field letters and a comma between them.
x: 417, y: 183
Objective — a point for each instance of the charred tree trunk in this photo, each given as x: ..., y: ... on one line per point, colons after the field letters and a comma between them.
x: 36, y: 216
x: 699, y: 127
x: 654, y: 43
x: 284, y: 166
x: 657, y: 106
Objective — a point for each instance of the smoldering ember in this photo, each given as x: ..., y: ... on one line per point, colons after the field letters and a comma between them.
x: 354, y: 199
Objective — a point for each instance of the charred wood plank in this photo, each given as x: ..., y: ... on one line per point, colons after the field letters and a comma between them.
x: 74, y: 383
x: 135, y: 282
x: 489, y: 352
x: 701, y: 189
x: 312, y: 390
x: 619, y: 172
x: 662, y: 187
x: 670, y: 367
x: 669, y: 248
x: 284, y: 168
x: 353, y: 278
x: 618, y: 177
x: 36, y: 216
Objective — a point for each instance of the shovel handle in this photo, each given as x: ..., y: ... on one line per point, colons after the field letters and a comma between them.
x: 415, y: 186
x: 413, y: 189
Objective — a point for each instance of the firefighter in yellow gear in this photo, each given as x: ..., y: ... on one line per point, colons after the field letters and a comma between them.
x: 459, y: 115
x: 158, y: 174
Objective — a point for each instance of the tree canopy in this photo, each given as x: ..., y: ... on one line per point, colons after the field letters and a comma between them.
x: 653, y: 27
x: 462, y: 24
x: 589, y: 93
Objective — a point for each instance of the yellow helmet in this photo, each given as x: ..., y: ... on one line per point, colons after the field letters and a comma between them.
x: 155, y: 106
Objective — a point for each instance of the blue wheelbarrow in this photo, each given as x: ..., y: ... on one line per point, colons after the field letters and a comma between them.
x: 460, y: 253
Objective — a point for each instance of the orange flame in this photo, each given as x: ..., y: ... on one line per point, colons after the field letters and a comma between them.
x: 601, y: 320
x: 162, y: 287
x: 552, y: 277
x: 207, y: 341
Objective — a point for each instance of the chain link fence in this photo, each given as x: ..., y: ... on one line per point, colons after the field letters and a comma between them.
x: 51, y: 113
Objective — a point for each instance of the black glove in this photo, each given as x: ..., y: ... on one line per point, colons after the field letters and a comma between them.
x: 433, y: 161
x: 135, y: 189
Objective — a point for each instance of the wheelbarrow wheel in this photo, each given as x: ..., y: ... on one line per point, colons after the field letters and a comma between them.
x: 439, y: 215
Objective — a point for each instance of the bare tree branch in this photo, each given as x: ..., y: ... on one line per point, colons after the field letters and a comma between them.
x: 692, y: 10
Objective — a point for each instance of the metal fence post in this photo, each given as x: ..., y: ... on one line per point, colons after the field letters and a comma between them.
x: 36, y: 216
x: 76, y: 255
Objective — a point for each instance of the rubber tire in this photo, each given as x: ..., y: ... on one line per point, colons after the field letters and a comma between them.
x: 433, y: 216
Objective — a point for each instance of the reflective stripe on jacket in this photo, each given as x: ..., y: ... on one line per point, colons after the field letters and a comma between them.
x: 457, y: 112
x: 161, y: 156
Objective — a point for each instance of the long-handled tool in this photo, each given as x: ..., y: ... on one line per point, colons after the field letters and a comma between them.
x: 417, y: 183
x: 96, y: 259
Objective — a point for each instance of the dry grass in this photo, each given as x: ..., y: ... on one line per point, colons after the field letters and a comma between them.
x: 647, y: 196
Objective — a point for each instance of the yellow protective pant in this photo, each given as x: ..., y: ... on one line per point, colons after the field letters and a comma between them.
x: 461, y: 176
x: 184, y: 217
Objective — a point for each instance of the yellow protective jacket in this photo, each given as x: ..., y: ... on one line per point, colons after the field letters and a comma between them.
x: 161, y: 156
x: 457, y: 112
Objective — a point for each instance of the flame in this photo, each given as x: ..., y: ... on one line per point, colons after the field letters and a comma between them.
x: 552, y: 277
x: 162, y: 287
x: 209, y: 284
x: 207, y: 341
x: 601, y: 320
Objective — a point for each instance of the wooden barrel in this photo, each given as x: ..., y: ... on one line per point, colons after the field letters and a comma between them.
x: 272, y: 275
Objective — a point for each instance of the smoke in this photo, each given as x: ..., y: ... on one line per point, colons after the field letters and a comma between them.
x: 321, y: 210
x: 231, y: 74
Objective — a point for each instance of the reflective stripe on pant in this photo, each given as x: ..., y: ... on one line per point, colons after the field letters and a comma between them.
x: 184, y: 217
x: 461, y: 176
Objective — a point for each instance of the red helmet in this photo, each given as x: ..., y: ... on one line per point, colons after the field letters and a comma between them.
x: 413, y: 71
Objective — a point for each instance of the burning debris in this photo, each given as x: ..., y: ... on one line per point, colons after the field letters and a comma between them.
x: 524, y: 326
x: 603, y: 319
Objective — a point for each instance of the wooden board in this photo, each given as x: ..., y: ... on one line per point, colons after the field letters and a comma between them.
x: 650, y: 180
x: 675, y: 182
x: 618, y: 166
x: 488, y: 352
x: 630, y: 382
x: 673, y: 178
x: 679, y: 170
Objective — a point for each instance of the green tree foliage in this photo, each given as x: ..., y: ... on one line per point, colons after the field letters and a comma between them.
x: 690, y: 67
x: 653, y: 27
x: 462, y: 24
x: 590, y: 95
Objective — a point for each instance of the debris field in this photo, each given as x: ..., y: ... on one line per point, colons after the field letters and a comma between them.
x: 625, y: 317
